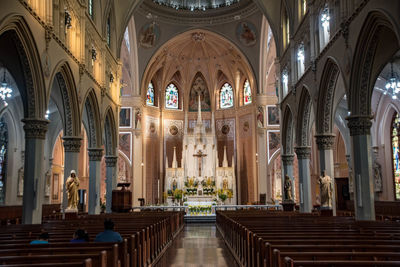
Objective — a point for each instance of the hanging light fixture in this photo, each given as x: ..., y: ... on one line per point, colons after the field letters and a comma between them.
x: 5, y: 90
x: 393, y: 84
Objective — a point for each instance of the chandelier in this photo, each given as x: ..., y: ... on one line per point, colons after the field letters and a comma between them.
x: 5, y: 90
x: 393, y: 84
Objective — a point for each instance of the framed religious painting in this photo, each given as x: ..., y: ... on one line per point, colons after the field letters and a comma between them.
x: 273, y: 116
x: 125, y: 117
x: 125, y: 144
x: 273, y: 143
x: 56, y: 186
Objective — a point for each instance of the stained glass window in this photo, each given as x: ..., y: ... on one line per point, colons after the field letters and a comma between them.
x: 171, y: 96
x: 150, y: 95
x: 90, y: 8
x: 108, y: 31
x: 247, y: 92
x: 226, y: 96
x: 396, y: 154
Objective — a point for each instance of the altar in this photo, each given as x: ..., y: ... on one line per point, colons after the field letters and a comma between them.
x: 200, y: 178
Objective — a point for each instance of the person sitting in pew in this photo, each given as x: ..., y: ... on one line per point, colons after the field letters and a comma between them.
x: 43, y: 238
x: 80, y: 236
x: 109, y: 235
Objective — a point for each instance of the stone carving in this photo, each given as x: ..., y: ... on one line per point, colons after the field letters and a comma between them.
x: 91, y: 122
x: 198, y: 36
x: 287, y: 159
x: 72, y: 185
x: 326, y: 101
x: 303, y: 152
x: 288, y: 188
x: 288, y: 132
x: 173, y: 128
x: 30, y: 100
x: 325, y: 185
x: 260, y: 117
x: 359, y: 125
x: 111, y: 161
x: 20, y: 191
x: 151, y: 126
x: 224, y: 128
x: 199, y: 87
x: 72, y: 144
x: 325, y: 142
x: 138, y: 119
x: 35, y: 128
x: 108, y: 136
x: 67, y: 105
x: 95, y: 154
x: 303, y: 132
x: 377, y: 171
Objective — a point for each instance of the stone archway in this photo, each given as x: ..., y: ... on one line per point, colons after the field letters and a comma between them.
x: 376, y: 45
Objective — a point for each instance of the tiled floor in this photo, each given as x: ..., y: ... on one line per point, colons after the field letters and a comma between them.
x: 198, y: 245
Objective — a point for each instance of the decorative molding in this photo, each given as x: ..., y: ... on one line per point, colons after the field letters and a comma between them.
x: 287, y: 159
x: 95, y: 154
x: 111, y: 161
x: 303, y: 152
x: 35, y: 128
x: 303, y: 132
x: 359, y: 124
x: 325, y: 141
x: 91, y: 122
x: 67, y: 104
x: 326, y: 98
x: 72, y: 144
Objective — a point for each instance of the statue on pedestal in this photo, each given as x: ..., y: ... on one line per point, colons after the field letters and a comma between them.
x: 174, y: 185
x: 288, y: 188
x: 72, y: 185
x: 325, y: 185
x: 225, y: 183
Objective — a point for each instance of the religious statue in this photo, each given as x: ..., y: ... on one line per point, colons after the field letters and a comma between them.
x: 288, y: 188
x: 377, y: 168
x: 72, y: 185
x: 225, y: 184
x: 260, y: 117
x: 174, y: 185
x: 138, y: 119
x: 325, y: 186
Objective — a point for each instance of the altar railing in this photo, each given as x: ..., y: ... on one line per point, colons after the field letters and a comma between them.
x: 214, y: 208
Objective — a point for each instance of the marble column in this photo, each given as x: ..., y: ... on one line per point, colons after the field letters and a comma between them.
x: 111, y: 180
x: 360, y: 132
x: 35, y: 134
x: 72, y: 147
x: 95, y: 155
x: 287, y: 161
x: 303, y: 156
x: 325, y: 148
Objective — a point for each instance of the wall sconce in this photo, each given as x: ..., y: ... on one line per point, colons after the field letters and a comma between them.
x: 68, y: 20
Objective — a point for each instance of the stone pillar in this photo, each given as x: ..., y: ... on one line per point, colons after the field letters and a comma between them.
x: 95, y: 155
x: 303, y: 156
x: 72, y: 146
x: 35, y: 134
x: 325, y: 148
x: 287, y: 161
x: 360, y: 132
x: 111, y: 180
x: 262, y: 163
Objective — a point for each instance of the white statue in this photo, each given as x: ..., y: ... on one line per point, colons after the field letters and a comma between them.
x: 325, y: 185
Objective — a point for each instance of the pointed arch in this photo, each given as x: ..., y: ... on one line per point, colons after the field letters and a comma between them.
x: 287, y: 130
x: 326, y: 95
x: 69, y: 104
x: 303, y: 119
x: 376, y: 45
x: 110, y: 133
x: 23, y: 61
x: 91, y: 119
x: 199, y: 87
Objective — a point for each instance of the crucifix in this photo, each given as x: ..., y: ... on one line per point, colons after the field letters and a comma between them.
x: 199, y: 157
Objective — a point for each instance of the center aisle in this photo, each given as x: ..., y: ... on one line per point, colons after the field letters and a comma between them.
x: 198, y: 245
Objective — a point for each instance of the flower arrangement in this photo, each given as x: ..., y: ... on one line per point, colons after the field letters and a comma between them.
x: 222, y: 196
x: 178, y: 194
x: 200, y: 209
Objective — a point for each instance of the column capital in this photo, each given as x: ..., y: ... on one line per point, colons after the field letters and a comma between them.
x: 359, y: 124
x: 303, y: 152
x: 35, y: 128
x: 111, y: 161
x: 72, y: 143
x: 287, y: 159
x: 325, y: 141
x: 95, y: 154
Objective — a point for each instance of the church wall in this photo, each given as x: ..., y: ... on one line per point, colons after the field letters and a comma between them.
x: 152, y: 157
